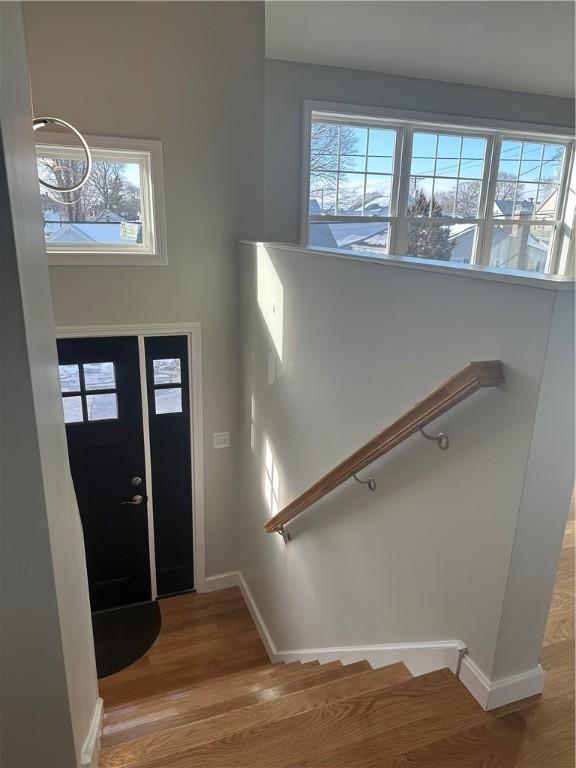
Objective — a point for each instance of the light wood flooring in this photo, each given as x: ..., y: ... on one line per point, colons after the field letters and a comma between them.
x: 205, y: 695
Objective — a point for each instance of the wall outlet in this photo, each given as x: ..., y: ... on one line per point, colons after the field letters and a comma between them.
x: 221, y: 439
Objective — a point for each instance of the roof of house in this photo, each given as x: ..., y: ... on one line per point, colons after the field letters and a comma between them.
x: 366, y: 234
x: 92, y: 232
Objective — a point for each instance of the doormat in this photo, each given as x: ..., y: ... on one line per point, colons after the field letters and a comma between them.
x: 122, y: 635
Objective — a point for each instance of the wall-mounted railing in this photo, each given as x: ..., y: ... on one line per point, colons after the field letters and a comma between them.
x: 475, y: 376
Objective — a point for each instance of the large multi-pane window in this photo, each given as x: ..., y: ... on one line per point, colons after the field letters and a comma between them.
x: 457, y: 195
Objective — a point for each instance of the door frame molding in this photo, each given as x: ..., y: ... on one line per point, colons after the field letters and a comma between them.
x: 193, y: 333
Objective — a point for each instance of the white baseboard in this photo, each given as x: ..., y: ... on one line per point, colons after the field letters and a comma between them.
x: 263, y: 630
x: 90, y: 756
x: 420, y: 658
x: 220, y: 581
x: 491, y: 694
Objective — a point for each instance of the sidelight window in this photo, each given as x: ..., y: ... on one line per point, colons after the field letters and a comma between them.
x: 167, y: 386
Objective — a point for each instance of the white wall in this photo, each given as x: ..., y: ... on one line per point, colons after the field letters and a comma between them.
x: 288, y: 84
x: 496, y: 45
x: 541, y: 523
x: 428, y: 556
x: 49, y: 689
x: 192, y: 75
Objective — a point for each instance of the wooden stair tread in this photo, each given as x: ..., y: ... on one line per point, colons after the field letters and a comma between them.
x: 201, y: 703
x: 223, y: 704
x: 213, y: 690
x: 365, y: 727
x: 206, y: 669
x: 246, y: 725
x: 504, y: 742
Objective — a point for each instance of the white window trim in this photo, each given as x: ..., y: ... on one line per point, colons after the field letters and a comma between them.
x: 407, y: 121
x: 153, y: 252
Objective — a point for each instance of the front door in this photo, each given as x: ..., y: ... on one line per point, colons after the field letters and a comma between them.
x: 100, y: 382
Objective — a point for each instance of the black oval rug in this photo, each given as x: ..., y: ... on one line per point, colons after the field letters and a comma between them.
x: 122, y: 635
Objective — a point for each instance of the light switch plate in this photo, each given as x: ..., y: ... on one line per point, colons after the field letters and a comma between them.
x: 221, y: 439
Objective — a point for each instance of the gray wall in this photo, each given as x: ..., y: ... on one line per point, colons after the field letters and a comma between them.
x: 49, y: 689
x: 192, y: 75
x: 288, y: 84
x: 442, y: 549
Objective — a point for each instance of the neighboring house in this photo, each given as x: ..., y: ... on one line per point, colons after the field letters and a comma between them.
x: 365, y: 235
x: 372, y: 236
x: 504, y: 207
x: 76, y: 232
x: 106, y: 216
x: 67, y: 233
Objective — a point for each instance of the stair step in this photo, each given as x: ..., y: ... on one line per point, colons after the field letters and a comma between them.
x: 206, y: 668
x: 363, y: 730
x: 201, y: 703
x: 208, y: 741
x: 208, y: 691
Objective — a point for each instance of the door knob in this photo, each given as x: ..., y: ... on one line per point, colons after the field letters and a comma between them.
x: 135, y: 500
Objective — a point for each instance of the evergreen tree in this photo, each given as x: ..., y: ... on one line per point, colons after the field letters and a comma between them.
x: 428, y: 239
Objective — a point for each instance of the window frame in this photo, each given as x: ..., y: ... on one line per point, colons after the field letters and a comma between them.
x: 408, y: 122
x: 148, y: 154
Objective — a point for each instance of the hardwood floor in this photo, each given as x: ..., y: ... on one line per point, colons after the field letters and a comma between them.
x: 205, y: 695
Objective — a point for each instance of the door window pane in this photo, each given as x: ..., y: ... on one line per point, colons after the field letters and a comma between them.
x: 168, y: 400
x: 73, y: 410
x: 167, y: 371
x: 69, y: 378
x: 99, y: 376
x: 101, y: 407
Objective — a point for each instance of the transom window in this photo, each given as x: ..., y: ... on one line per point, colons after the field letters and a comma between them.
x: 88, y: 392
x: 457, y: 195
x: 117, y: 216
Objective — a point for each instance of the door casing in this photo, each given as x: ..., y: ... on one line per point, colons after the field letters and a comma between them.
x: 193, y: 333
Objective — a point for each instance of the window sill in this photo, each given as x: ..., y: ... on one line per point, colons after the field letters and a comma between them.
x: 514, y: 277
x: 109, y: 259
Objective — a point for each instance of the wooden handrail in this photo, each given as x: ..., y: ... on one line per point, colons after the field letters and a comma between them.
x: 475, y: 376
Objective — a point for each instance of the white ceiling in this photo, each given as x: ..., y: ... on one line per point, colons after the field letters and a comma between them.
x: 517, y: 45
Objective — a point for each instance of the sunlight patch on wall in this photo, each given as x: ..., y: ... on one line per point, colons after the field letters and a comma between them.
x: 271, y: 480
x: 271, y: 300
x: 274, y: 366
